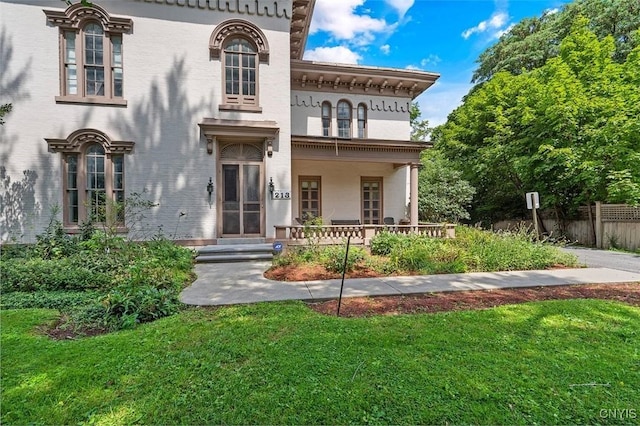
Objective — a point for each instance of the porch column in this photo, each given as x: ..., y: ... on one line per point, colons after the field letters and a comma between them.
x: 413, y: 191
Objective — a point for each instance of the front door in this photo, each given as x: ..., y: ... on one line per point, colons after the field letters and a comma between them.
x: 242, y: 197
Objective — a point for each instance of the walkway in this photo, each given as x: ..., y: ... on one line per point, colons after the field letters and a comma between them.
x: 243, y: 282
x: 595, y: 258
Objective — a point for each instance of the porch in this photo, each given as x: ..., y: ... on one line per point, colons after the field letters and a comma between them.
x: 360, y: 234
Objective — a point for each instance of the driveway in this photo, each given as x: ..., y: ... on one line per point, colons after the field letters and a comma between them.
x: 606, y: 259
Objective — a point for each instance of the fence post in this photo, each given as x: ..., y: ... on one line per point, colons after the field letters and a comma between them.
x: 598, y: 224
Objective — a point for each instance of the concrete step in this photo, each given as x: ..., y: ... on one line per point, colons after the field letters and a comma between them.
x: 224, y: 258
x: 240, y: 241
x: 234, y: 253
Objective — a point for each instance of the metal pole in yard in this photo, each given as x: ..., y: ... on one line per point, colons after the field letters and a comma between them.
x: 344, y: 270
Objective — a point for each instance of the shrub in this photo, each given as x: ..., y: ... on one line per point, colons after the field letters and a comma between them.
x: 50, y: 275
x: 332, y: 257
x: 384, y: 242
x: 127, y: 306
x: 61, y: 300
x: 509, y: 250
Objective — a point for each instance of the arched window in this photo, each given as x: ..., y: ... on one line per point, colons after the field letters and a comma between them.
x: 326, y: 118
x: 91, y: 65
x: 362, y: 121
x: 93, y: 177
x: 240, y: 72
x: 344, y: 119
x: 241, y: 46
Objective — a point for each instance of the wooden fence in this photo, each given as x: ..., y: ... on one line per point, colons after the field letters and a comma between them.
x: 612, y: 225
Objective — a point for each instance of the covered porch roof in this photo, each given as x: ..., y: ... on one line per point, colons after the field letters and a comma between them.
x: 400, y: 153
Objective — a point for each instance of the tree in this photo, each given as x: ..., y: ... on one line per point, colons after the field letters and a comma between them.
x: 533, y: 41
x: 420, y: 129
x: 568, y: 130
x: 443, y: 196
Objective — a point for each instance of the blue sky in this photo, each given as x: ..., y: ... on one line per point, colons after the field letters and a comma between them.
x: 442, y: 36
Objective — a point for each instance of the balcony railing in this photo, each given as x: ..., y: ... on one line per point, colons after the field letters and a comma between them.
x: 360, y: 234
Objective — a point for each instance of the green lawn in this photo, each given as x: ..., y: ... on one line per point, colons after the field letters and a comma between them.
x: 281, y: 363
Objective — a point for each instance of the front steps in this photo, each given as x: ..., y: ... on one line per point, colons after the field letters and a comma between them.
x: 235, y: 252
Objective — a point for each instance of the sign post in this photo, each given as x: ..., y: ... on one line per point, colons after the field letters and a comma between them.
x: 533, y: 203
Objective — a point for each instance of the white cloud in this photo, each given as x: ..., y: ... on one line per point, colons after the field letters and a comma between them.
x: 430, y: 61
x: 385, y: 48
x: 495, y: 22
x: 401, y: 6
x: 343, y: 22
x: 440, y: 100
x: 338, y: 54
x: 552, y: 11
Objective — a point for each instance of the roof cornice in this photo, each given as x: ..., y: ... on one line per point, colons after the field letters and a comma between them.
x: 344, y: 78
x: 301, y: 14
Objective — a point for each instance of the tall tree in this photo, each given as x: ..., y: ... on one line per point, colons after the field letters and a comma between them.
x: 568, y: 129
x: 533, y: 41
x: 443, y: 195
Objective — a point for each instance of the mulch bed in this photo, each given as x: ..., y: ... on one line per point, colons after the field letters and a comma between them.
x: 475, y: 299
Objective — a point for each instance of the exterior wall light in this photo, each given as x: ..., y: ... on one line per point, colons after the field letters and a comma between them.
x: 271, y: 185
x: 210, y: 187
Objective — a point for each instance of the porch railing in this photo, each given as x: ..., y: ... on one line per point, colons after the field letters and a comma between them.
x: 360, y: 234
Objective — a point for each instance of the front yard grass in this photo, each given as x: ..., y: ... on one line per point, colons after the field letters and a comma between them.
x: 554, y: 362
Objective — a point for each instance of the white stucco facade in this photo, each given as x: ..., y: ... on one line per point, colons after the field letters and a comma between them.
x: 172, y: 84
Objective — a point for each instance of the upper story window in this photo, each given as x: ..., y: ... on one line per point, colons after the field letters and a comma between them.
x: 241, y: 46
x: 91, y: 55
x: 94, y: 177
x: 240, y: 72
x: 326, y: 118
x: 344, y: 119
x: 362, y: 121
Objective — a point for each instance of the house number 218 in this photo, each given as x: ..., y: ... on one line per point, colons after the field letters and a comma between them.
x: 280, y: 194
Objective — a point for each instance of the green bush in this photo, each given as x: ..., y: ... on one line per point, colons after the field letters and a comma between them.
x: 509, y: 250
x: 99, y: 282
x: 384, y: 242
x: 332, y: 258
x: 61, y: 300
x: 127, y: 306
x: 50, y: 275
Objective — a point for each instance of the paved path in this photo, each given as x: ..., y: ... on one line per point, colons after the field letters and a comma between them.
x: 243, y: 282
x: 594, y: 258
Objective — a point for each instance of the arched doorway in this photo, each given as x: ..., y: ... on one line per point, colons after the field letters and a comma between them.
x: 241, y: 203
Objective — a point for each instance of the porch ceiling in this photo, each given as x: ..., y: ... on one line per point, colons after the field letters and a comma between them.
x: 357, y: 150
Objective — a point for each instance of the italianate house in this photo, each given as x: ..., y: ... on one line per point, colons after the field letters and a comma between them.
x: 203, y: 107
